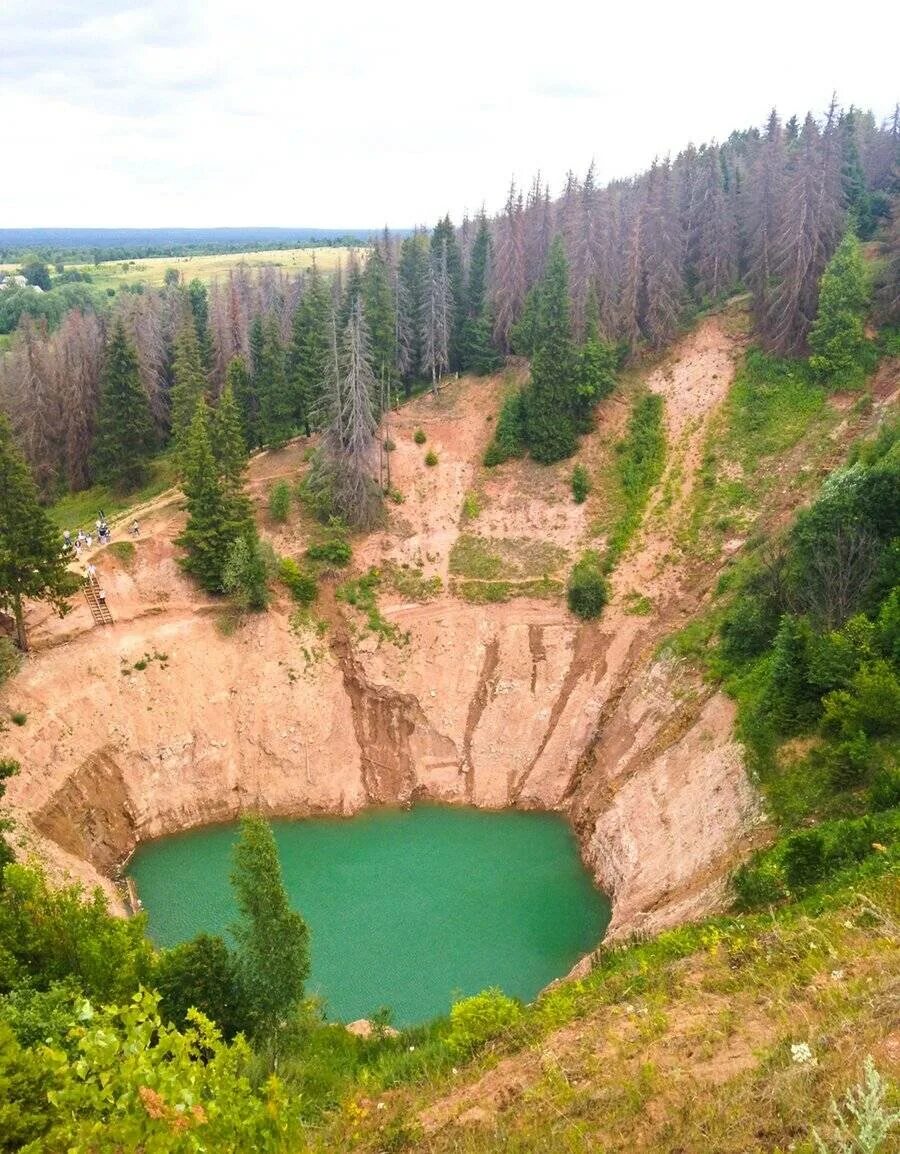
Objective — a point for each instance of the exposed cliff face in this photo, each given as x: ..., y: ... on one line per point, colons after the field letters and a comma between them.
x: 492, y: 705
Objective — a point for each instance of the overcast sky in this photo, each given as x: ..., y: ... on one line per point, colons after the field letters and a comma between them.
x: 356, y: 114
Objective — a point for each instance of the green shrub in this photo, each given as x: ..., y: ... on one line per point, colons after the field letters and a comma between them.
x: 18, y: 718
x: 759, y: 884
x: 587, y: 590
x: 10, y: 659
x: 870, y: 706
x: 431, y: 458
x: 805, y: 860
x: 509, y: 435
x: 475, y: 1021
x: 885, y: 791
x: 419, y: 437
x: 280, y: 501
x: 247, y: 570
x: 581, y: 484
x: 332, y: 548
x: 300, y: 583
x: 849, y: 762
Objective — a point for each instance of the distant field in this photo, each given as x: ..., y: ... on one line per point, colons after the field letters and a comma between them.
x: 152, y: 270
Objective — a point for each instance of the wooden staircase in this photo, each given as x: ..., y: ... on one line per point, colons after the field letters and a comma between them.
x: 99, y: 609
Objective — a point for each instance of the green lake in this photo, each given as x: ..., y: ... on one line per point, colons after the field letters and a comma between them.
x: 410, y: 909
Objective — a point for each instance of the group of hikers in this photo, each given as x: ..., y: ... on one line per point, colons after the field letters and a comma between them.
x: 84, y: 539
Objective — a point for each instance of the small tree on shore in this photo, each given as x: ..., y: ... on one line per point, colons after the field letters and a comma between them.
x: 272, y: 939
x: 31, y: 561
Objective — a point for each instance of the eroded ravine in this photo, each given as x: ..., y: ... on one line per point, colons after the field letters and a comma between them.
x: 493, y: 705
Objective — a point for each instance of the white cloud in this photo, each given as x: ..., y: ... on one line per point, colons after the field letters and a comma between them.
x: 182, y: 112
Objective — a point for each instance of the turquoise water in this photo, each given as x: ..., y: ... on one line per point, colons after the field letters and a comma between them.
x: 410, y: 909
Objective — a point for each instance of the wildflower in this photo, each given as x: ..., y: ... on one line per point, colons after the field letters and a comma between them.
x: 801, y: 1053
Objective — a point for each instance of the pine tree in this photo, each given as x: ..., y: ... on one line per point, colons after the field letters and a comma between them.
x: 272, y: 939
x: 276, y: 422
x: 509, y: 280
x: 664, y: 284
x: 838, y: 336
x: 308, y: 354
x: 189, y: 379
x: 124, y: 439
x: 765, y: 206
x: 596, y: 367
x: 31, y: 562
x: 378, y: 309
x: 551, y: 395
x: 212, y: 524
x: 437, y: 310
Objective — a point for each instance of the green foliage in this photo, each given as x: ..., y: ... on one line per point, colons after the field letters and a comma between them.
x: 37, y: 273
x: 770, y: 405
x: 864, y: 1121
x: 362, y: 594
x: 597, y: 364
x: 134, y: 1083
x: 550, y: 399
x: 478, y: 1020
x: 509, y: 436
x: 272, y: 939
x: 214, y: 522
x: 280, y: 501
x: 587, y: 590
x: 332, y: 547
x: 49, y: 935
x: 431, y: 458
x: 10, y: 660
x: 517, y: 558
x: 124, y: 439
x: 419, y: 436
x: 309, y: 350
x: 639, y: 463
x: 24, y: 1083
x: 31, y: 562
x: 245, y: 575
x: 801, y: 861
x: 200, y: 974
x: 227, y: 439
x: 8, y: 768
x: 17, y: 717
x: 300, y: 582
x: 243, y: 390
x: 581, y: 484
x: 276, y: 400
x: 381, y: 319
x: 189, y: 380
x: 837, y: 338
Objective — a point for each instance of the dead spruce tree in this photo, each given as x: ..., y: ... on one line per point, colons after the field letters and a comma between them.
x: 437, y: 318
x: 341, y: 482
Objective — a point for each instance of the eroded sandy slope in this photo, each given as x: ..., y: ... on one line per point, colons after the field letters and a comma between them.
x: 492, y: 705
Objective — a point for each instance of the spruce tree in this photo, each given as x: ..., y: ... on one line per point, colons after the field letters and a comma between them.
x: 189, y: 379
x: 308, y: 355
x: 412, y: 274
x: 381, y: 320
x: 229, y: 448
x: 31, y: 562
x: 445, y: 254
x: 838, y: 336
x: 276, y: 421
x: 198, y: 298
x: 245, y: 398
x: 550, y: 400
x: 272, y: 939
x: 212, y: 523
x: 477, y: 352
x: 124, y: 440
